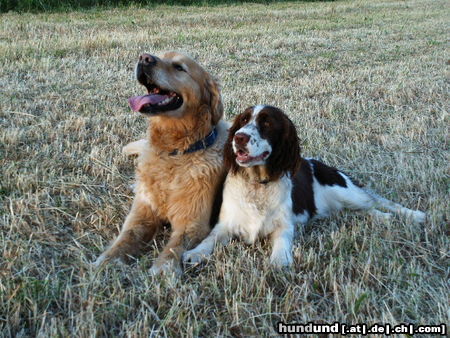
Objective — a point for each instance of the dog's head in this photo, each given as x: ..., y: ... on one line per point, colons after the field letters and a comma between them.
x: 263, y: 136
x: 175, y: 84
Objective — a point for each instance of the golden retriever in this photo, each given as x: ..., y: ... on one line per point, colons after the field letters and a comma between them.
x: 180, y: 166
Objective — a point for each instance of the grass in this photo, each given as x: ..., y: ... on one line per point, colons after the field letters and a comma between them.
x: 365, y: 83
x: 68, y: 5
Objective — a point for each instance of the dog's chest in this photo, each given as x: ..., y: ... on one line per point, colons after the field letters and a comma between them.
x: 164, y: 183
x: 259, y: 198
x: 252, y: 209
x: 152, y: 185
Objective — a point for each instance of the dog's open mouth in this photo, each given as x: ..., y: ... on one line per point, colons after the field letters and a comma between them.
x: 243, y: 157
x: 157, y: 100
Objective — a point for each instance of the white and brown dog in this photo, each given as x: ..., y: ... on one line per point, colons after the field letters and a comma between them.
x: 270, y: 188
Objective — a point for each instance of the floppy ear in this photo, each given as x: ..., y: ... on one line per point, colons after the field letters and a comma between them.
x: 214, y: 100
x: 286, y: 155
x: 229, y: 158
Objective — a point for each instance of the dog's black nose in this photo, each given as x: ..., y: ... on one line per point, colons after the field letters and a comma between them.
x: 147, y: 59
x: 241, y: 139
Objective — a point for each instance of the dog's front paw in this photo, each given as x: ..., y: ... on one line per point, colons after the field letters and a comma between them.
x: 418, y: 216
x: 105, y: 259
x: 193, y: 257
x: 164, y: 268
x: 281, y: 259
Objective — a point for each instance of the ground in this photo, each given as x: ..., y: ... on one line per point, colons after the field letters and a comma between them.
x: 364, y: 82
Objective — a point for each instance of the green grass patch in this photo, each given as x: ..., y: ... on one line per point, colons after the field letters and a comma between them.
x: 68, y: 5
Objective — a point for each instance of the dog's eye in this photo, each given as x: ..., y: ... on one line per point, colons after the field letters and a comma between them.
x: 178, y: 67
x: 245, y: 119
x: 266, y: 124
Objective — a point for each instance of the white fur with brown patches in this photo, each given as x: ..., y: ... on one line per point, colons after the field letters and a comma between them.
x: 251, y: 210
x: 256, y: 146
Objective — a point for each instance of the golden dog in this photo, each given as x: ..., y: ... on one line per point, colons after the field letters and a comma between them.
x: 180, y: 167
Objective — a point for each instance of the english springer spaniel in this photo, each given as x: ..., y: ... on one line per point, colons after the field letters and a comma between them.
x: 269, y: 187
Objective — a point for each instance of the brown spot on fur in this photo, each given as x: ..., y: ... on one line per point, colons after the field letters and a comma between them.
x: 302, y: 190
x: 279, y: 130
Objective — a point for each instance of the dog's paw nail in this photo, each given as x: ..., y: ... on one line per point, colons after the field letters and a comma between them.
x: 192, y: 258
x: 167, y: 268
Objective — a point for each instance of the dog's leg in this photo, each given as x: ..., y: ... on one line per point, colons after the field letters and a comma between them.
x: 354, y: 197
x: 282, y: 239
x: 169, y: 259
x: 139, y: 228
x: 219, y: 234
x: 183, y: 236
x: 189, y: 219
x: 416, y: 215
x: 335, y: 198
x: 383, y: 216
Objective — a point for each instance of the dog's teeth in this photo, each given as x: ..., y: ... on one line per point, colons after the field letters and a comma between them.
x: 165, y: 101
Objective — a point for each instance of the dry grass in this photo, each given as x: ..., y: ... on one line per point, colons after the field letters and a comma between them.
x: 365, y: 84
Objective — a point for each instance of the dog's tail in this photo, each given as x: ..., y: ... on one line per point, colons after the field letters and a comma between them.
x: 135, y: 148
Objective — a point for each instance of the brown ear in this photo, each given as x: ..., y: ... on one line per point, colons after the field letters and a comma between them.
x: 229, y: 158
x: 214, y: 100
x: 286, y: 155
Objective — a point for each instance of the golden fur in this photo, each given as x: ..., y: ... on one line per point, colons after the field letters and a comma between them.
x: 178, y: 189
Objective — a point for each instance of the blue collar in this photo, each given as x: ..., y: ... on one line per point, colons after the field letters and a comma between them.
x: 199, y: 145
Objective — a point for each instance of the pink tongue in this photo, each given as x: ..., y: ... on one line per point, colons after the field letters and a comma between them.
x: 242, y: 157
x: 137, y: 102
x: 245, y: 157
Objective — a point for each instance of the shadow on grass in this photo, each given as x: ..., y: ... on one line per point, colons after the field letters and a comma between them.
x: 68, y: 5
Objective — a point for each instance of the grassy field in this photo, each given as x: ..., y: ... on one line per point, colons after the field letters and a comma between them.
x: 365, y: 83
x: 22, y: 6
